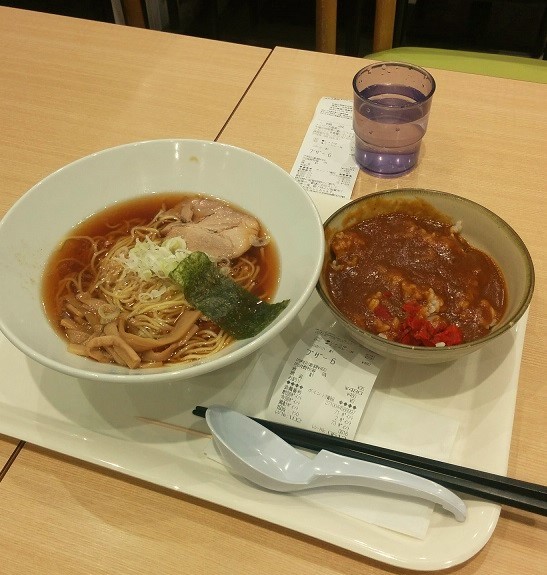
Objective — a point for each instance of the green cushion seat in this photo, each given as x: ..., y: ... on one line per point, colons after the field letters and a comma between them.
x: 499, y: 65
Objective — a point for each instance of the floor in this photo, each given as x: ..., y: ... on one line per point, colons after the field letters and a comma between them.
x: 290, y: 23
x: 506, y: 26
x: 90, y: 9
x: 510, y: 26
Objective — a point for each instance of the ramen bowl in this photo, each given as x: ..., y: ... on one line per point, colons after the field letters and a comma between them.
x: 39, y: 221
x: 480, y: 228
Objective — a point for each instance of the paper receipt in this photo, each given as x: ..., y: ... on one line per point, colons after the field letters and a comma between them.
x: 326, y: 161
x: 325, y: 385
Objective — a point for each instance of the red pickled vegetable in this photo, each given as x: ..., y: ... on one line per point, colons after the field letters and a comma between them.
x: 417, y: 330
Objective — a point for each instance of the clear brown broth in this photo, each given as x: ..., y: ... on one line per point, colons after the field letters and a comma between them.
x: 73, y: 255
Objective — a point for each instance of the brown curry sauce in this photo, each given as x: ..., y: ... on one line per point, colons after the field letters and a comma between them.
x: 413, y: 279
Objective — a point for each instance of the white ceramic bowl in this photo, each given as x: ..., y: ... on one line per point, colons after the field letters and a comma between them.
x: 40, y: 219
x: 481, y: 228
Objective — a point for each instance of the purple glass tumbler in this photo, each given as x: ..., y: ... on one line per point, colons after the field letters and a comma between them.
x: 391, y: 103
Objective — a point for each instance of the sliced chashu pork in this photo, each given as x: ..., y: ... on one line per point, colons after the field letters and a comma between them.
x: 213, y: 227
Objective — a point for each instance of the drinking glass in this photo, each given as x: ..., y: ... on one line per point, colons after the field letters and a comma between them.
x: 391, y: 103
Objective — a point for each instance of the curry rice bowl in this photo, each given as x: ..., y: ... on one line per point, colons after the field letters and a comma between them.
x: 497, y: 248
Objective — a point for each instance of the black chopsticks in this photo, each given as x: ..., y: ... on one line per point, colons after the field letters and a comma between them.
x: 496, y: 488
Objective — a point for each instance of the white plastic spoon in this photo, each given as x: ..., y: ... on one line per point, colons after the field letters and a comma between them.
x: 265, y: 459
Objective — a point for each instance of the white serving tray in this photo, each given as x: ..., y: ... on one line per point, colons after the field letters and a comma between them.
x: 106, y: 424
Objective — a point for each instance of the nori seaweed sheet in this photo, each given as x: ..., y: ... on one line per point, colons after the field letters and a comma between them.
x: 221, y: 299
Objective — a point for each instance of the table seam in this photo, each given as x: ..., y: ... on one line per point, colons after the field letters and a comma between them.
x: 11, y: 459
x: 236, y: 107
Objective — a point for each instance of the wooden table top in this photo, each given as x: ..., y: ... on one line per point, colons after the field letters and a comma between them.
x: 492, y: 149
x: 71, y: 87
x: 59, y: 515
